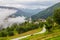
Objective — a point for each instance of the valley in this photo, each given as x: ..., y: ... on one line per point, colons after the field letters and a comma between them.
x: 30, y: 20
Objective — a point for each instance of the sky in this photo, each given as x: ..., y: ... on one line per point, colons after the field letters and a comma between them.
x: 30, y: 4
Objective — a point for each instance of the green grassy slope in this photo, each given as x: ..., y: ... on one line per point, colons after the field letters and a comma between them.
x: 45, y: 36
x: 23, y: 34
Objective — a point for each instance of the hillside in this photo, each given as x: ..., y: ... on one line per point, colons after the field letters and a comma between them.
x: 32, y: 11
x: 45, y: 13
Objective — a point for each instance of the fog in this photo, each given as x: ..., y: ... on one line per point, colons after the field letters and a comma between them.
x: 6, y: 21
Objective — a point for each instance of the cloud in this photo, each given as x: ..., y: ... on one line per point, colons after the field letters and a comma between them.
x: 5, y: 21
x: 4, y: 13
x: 11, y: 21
x: 17, y: 19
x: 27, y: 3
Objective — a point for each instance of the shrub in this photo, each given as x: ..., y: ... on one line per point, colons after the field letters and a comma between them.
x: 10, y: 33
x: 3, y: 34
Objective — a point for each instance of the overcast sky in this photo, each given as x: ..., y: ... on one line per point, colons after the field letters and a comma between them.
x: 31, y: 4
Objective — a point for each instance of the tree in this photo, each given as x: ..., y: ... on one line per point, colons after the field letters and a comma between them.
x: 10, y: 29
x: 20, y: 30
x: 56, y: 15
x: 49, y: 24
x: 10, y: 33
x: 41, y: 24
x: 3, y: 34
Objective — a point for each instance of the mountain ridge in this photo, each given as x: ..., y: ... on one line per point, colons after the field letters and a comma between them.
x: 46, y: 13
x: 18, y: 13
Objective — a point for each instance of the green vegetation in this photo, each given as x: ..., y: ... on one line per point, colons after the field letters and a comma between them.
x: 49, y: 24
x: 55, y: 38
x: 18, y: 29
x: 52, y: 26
x: 44, y: 36
x: 57, y: 15
x: 22, y: 34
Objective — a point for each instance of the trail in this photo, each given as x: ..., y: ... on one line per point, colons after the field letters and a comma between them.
x: 43, y: 31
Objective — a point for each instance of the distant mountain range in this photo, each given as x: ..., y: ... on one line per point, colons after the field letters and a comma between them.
x: 31, y: 11
x: 22, y: 11
x: 46, y: 13
x: 18, y: 13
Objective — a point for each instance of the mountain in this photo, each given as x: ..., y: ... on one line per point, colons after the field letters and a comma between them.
x: 22, y: 11
x: 19, y: 12
x: 46, y: 13
x: 31, y: 11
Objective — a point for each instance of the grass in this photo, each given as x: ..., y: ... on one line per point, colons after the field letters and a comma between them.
x: 44, y: 36
x: 54, y: 38
x: 4, y: 38
x: 23, y: 34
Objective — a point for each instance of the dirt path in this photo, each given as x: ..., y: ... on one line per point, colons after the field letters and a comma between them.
x: 43, y: 31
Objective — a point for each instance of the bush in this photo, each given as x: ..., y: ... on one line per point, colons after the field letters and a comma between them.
x: 10, y: 33
x: 56, y: 15
x: 41, y: 24
x: 3, y: 34
x: 49, y: 24
x: 20, y: 30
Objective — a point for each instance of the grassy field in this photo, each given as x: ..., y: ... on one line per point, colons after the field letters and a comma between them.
x: 55, y: 38
x: 45, y: 36
x: 23, y: 34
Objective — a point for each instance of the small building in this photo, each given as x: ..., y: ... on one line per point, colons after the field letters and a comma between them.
x: 36, y: 22
x: 42, y: 20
